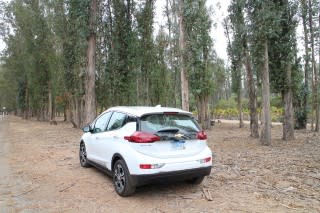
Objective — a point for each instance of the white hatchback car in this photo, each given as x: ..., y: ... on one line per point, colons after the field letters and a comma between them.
x: 139, y: 145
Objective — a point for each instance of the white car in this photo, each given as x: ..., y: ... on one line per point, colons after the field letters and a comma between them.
x: 139, y: 145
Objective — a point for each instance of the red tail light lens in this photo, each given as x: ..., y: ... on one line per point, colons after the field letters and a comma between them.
x: 207, y: 159
x: 145, y: 166
x: 151, y: 166
x: 201, y: 135
x: 142, y: 137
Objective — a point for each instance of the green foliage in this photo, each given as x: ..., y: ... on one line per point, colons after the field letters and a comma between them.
x: 276, y: 101
x: 160, y: 79
x: 228, y: 109
x: 263, y: 21
x: 199, y: 45
x: 236, y: 47
x: 7, y: 91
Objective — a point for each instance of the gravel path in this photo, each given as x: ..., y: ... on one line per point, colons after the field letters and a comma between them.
x: 40, y: 172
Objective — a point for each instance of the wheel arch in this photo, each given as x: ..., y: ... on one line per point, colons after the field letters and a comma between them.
x: 82, y: 142
x: 116, y: 157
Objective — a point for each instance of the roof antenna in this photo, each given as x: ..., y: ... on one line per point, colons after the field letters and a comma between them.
x: 158, y: 106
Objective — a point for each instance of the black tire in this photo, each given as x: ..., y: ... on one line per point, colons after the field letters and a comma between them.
x: 121, y: 181
x: 83, y: 156
x: 196, y: 180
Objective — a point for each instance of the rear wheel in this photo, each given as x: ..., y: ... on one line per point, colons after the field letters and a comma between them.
x: 121, y: 181
x: 196, y: 180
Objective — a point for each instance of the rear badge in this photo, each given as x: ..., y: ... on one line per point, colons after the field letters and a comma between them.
x: 178, y: 136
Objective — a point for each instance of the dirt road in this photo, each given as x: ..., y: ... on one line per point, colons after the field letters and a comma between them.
x: 40, y: 172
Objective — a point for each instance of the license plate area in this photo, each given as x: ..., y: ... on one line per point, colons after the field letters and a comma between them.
x: 178, y: 145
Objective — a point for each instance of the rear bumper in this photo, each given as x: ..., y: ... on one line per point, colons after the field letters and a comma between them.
x: 139, y: 180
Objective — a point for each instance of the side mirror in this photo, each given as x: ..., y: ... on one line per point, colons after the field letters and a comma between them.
x: 86, y: 129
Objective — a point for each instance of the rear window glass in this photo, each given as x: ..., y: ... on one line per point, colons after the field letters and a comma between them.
x: 157, y: 122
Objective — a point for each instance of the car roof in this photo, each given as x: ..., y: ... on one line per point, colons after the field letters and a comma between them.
x: 138, y: 111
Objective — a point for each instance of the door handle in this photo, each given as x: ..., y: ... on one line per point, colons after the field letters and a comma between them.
x: 115, y: 137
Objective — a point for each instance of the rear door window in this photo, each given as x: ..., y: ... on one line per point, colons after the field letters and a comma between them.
x: 117, y: 121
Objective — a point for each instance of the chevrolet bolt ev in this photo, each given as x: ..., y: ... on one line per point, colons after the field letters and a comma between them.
x: 140, y: 145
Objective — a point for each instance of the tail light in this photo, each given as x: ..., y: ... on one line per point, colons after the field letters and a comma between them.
x: 151, y: 166
x: 201, y: 135
x: 142, y: 137
x: 145, y: 166
x: 205, y: 160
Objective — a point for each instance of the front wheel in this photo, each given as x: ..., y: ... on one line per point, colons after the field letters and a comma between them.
x: 83, y: 156
x: 121, y: 181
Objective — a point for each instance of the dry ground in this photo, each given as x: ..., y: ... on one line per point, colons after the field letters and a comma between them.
x: 40, y: 172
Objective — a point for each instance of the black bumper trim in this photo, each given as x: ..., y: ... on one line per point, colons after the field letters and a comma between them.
x: 139, y: 180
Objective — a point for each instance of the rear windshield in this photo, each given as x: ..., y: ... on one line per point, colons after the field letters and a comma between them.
x: 157, y: 122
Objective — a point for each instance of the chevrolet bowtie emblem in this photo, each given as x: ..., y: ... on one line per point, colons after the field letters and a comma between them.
x: 178, y: 135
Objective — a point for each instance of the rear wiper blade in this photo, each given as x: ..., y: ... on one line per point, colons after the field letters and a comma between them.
x: 174, y: 130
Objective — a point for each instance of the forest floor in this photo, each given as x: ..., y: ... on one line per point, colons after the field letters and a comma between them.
x: 40, y: 172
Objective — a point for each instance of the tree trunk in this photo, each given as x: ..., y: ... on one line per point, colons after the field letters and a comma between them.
x: 51, y: 110
x: 306, y: 65
x: 265, y: 138
x: 288, y: 123
x: 90, y: 94
x: 203, y: 111
x: 77, y: 110
x: 183, y: 71
x: 241, y: 124
x: 26, y: 102
x: 317, y: 82
x: 207, y: 113
x: 314, y: 75
x: 254, y: 126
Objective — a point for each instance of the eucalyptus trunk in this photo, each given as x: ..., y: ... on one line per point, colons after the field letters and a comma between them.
x: 306, y: 64
x: 183, y: 71
x: 26, y: 102
x: 77, y: 110
x: 265, y: 138
x: 203, y: 111
x: 51, y: 108
x: 315, y: 104
x: 90, y: 94
x: 240, y: 108
x: 288, y: 122
x: 254, y: 126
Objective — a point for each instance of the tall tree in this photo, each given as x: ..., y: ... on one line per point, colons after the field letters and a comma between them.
x: 282, y: 61
x: 199, y: 51
x: 240, y: 35
x: 145, y: 25
x: 315, y: 102
x: 182, y: 46
x: 304, y: 13
x: 172, y: 24
x: 263, y: 18
x: 288, y: 29
x: 160, y: 84
x: 234, y: 52
x: 90, y: 86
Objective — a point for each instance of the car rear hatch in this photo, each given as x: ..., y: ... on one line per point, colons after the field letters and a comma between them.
x: 168, y: 135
